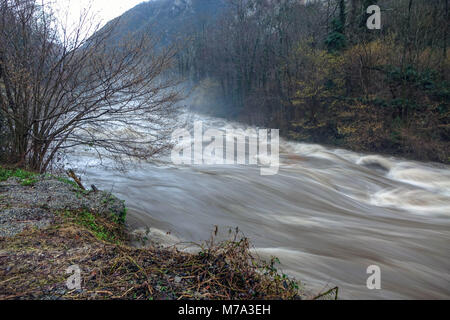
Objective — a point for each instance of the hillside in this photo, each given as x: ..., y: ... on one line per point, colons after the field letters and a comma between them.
x: 166, y: 19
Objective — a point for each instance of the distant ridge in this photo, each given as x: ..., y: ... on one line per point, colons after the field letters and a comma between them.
x: 166, y: 19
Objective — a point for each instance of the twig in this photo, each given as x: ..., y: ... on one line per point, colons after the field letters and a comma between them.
x: 336, y: 289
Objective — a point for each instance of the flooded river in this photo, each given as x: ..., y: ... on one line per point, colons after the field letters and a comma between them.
x: 327, y: 215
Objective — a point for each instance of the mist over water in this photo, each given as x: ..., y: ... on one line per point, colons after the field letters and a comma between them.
x: 328, y: 215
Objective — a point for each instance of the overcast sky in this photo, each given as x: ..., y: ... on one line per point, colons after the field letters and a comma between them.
x: 105, y: 10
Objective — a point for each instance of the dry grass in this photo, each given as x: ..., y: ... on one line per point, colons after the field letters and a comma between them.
x: 33, y: 266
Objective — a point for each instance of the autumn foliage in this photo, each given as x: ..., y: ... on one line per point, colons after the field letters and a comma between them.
x: 320, y: 75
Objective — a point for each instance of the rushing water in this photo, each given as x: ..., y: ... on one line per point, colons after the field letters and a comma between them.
x: 327, y: 215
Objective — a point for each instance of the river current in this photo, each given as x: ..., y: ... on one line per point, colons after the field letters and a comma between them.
x: 327, y: 215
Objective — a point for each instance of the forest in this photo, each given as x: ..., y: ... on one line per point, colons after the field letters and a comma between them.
x: 320, y: 75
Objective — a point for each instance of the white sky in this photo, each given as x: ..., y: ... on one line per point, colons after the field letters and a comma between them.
x: 105, y: 10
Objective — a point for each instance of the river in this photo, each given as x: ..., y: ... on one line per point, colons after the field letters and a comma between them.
x: 327, y: 215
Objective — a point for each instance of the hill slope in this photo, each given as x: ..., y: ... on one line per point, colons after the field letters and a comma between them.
x: 166, y: 19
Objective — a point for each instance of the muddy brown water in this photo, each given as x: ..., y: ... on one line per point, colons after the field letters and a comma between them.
x: 327, y: 215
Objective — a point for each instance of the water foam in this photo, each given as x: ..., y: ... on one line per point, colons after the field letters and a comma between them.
x: 435, y: 180
x: 416, y: 201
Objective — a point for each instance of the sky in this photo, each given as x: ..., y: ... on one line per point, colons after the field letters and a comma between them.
x: 105, y: 10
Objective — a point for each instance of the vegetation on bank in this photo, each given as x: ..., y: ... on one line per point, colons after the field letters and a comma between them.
x: 33, y: 263
x: 26, y: 178
x: 320, y: 75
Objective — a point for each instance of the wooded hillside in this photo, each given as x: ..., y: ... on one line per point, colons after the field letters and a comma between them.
x: 320, y: 75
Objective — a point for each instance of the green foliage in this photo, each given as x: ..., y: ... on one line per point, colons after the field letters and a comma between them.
x: 336, y: 40
x: 26, y: 178
x: 270, y: 270
x: 121, y: 218
x: 69, y: 182
x: 100, y: 227
x: 29, y: 182
x: 123, y: 215
x: 424, y: 80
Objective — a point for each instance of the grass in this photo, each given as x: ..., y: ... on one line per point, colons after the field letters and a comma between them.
x: 109, y: 230
x: 68, y: 181
x: 29, y: 178
x: 26, y: 178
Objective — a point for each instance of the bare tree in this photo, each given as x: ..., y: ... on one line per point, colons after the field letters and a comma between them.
x: 60, y: 88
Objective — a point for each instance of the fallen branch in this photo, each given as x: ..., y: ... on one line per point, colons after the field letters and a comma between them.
x: 336, y: 290
x: 72, y: 174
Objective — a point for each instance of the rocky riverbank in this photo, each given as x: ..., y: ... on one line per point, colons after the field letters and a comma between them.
x: 48, y: 224
x: 36, y: 203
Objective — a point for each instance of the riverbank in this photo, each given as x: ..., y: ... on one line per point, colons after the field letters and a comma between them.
x: 48, y: 224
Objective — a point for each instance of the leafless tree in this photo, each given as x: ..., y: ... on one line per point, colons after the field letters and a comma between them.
x: 60, y: 88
